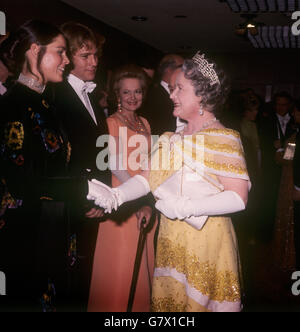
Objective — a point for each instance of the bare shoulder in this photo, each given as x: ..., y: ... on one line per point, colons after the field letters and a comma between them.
x: 113, y: 117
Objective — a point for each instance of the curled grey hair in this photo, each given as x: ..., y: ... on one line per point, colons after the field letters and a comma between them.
x: 213, y: 96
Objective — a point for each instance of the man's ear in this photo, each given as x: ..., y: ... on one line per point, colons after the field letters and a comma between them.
x: 34, y: 50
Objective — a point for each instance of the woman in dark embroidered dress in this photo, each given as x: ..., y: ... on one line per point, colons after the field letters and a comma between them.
x: 34, y: 154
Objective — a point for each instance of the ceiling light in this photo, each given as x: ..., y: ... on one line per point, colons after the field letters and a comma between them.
x: 248, y: 26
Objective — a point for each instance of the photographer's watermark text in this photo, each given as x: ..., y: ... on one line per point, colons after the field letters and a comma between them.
x: 2, y: 24
x: 2, y: 283
x: 296, y: 25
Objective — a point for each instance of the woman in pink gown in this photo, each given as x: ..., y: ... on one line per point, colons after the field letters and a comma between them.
x: 118, y: 237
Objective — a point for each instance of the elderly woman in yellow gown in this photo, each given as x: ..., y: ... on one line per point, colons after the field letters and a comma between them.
x: 198, y: 176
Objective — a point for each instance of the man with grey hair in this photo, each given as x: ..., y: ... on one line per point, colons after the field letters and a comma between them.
x: 158, y: 107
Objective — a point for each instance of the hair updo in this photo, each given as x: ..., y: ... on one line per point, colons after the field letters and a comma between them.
x: 13, y: 49
x: 124, y: 72
x: 213, y: 96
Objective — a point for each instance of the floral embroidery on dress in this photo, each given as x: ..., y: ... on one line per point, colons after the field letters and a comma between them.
x: 7, y: 201
x: 14, y: 136
x: 50, y: 139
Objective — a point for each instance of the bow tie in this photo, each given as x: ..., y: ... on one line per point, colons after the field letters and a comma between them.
x: 284, y: 121
x: 89, y: 87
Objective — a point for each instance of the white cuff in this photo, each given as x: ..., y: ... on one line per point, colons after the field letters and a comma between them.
x: 132, y: 189
x: 226, y: 202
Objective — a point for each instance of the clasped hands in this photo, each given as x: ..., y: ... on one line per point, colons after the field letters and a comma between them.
x: 103, y: 196
x: 173, y: 207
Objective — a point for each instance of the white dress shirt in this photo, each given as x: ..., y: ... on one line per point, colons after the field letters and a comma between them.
x: 283, y: 120
x: 78, y: 85
x: 165, y: 85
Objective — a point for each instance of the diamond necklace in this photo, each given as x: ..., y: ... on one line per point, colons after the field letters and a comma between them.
x: 31, y: 83
x: 207, y: 124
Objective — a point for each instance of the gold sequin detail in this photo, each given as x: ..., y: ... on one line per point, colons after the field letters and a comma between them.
x: 225, y: 148
x: 211, y: 161
x: 167, y: 304
x: 217, y: 285
x: 224, y: 131
x: 225, y: 167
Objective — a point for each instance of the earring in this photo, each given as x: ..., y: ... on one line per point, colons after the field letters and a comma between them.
x: 201, y: 112
x: 119, y: 106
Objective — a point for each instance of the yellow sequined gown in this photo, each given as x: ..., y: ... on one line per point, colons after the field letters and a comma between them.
x: 199, y: 270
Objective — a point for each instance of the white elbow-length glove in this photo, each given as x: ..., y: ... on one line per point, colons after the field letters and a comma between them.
x: 112, y: 198
x: 183, y: 208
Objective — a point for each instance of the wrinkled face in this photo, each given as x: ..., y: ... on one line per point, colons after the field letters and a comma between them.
x: 54, y: 60
x: 186, y: 103
x: 282, y: 105
x: 130, y: 94
x: 85, y: 62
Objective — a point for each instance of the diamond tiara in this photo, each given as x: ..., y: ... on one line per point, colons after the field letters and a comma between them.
x: 206, y: 69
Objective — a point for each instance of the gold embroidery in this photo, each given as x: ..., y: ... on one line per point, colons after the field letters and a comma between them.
x: 217, y: 285
x: 45, y: 103
x: 225, y: 132
x: 234, y: 165
x: 226, y: 167
x: 7, y: 199
x: 14, y: 135
x: 225, y: 148
x: 167, y: 304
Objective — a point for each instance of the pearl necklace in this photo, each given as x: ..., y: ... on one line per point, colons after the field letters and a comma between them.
x: 31, y: 83
x: 138, y: 127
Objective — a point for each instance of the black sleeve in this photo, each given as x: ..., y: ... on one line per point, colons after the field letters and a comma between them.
x: 297, y: 163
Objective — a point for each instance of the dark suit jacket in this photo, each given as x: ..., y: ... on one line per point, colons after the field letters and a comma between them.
x: 297, y: 163
x: 81, y: 130
x: 82, y: 133
x: 268, y: 135
x: 158, y: 110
